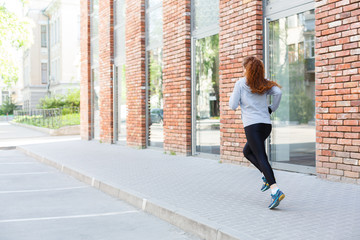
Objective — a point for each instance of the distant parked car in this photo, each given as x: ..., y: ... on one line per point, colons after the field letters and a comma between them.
x: 156, y: 115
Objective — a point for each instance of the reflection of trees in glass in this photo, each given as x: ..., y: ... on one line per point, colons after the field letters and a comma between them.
x: 155, y: 78
x: 207, y: 76
x: 288, y: 67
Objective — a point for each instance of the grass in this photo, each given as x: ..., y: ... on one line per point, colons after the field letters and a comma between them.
x: 50, y: 122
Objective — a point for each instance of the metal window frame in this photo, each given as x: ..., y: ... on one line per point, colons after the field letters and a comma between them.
x: 272, y: 12
x: 197, y: 34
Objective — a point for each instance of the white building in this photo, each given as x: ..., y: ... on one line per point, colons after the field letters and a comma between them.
x: 52, y: 64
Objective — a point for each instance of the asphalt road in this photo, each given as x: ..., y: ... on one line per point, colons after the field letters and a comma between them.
x: 38, y: 202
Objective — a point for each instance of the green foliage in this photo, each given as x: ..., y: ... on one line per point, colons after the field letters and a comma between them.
x: 71, y: 99
x: 15, y: 34
x: 8, y: 107
x: 53, y: 122
x: 51, y: 102
x: 301, y: 110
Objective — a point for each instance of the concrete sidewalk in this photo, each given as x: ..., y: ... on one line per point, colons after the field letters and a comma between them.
x: 212, y: 200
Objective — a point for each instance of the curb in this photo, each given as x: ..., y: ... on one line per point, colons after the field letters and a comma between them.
x: 191, y: 223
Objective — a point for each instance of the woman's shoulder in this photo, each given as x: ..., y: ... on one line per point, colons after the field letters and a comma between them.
x: 241, y: 81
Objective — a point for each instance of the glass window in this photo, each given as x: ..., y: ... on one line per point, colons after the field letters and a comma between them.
x: 119, y: 12
x: 94, y: 52
x: 206, y: 13
x: 291, y: 64
x: 5, y: 96
x: 155, y: 27
x: 207, y: 95
x: 154, y: 3
x: 156, y: 104
x: 43, y: 36
x: 120, y: 106
x: 154, y: 40
x: 44, y: 78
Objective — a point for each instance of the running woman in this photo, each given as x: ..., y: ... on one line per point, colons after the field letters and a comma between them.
x: 250, y: 92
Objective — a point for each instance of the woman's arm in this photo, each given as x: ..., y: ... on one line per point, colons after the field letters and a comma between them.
x: 235, y: 97
x: 276, y: 93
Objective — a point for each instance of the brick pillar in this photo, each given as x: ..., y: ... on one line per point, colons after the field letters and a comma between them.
x: 135, y: 73
x: 85, y: 82
x: 337, y: 90
x: 177, y: 76
x: 240, y: 36
x: 106, y: 61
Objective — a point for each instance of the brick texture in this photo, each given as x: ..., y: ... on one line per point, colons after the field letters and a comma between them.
x: 106, y: 61
x: 240, y: 36
x: 177, y: 76
x: 85, y: 83
x: 135, y: 73
x: 338, y: 89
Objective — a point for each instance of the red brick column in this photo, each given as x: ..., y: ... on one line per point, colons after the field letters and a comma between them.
x: 240, y: 36
x: 85, y: 82
x: 177, y: 76
x: 106, y: 61
x: 135, y: 73
x: 338, y: 89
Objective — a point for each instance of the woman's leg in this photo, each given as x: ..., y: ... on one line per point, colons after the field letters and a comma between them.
x: 256, y: 135
x: 250, y: 156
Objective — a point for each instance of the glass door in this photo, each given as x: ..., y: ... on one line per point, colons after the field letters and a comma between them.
x: 120, y: 106
x: 207, y: 95
x: 291, y: 63
x: 205, y: 77
x: 154, y: 73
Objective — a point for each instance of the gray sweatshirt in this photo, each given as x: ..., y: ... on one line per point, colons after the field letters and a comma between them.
x: 254, y: 107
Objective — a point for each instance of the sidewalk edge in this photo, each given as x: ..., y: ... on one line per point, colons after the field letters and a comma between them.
x: 189, y: 222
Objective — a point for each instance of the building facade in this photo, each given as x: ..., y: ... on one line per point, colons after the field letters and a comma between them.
x: 159, y: 73
x: 52, y: 64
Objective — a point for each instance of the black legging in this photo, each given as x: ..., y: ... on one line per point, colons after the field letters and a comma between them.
x: 254, y: 149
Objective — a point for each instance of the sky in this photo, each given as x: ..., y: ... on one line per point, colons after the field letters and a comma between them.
x: 13, y: 5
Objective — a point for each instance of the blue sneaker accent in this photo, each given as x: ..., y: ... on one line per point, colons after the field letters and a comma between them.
x: 265, y: 185
x: 276, y: 198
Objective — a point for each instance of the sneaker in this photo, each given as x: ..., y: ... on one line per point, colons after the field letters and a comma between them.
x: 276, y: 198
x: 265, y: 185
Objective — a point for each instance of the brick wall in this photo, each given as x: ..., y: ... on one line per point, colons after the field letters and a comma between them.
x: 106, y: 61
x: 177, y: 76
x: 85, y: 86
x: 135, y: 73
x: 240, y: 36
x: 338, y: 89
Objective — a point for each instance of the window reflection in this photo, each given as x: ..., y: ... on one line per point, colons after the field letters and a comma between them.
x: 94, y: 50
x: 207, y: 95
x: 156, y: 136
x: 120, y: 105
x: 291, y: 49
x: 154, y: 72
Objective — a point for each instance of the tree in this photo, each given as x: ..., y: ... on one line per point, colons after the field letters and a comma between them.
x: 8, y: 107
x: 15, y: 35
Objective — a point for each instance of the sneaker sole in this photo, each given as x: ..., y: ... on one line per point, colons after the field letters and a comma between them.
x: 277, y: 202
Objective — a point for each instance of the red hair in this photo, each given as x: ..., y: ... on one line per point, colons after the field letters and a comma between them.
x: 255, y: 75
